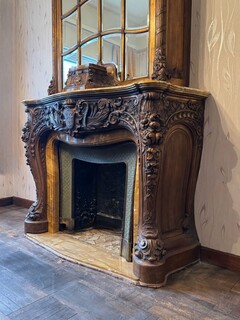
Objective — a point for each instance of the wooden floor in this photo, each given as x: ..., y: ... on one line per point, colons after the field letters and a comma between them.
x: 36, y: 284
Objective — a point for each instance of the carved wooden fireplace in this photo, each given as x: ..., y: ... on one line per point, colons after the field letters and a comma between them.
x: 165, y: 123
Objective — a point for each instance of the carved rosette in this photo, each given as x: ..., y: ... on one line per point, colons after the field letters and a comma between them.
x: 151, y: 250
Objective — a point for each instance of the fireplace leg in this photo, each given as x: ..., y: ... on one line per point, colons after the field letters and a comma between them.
x: 34, y: 222
x: 35, y: 226
x: 155, y: 274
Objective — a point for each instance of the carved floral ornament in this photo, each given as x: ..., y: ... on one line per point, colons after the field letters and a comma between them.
x: 75, y: 116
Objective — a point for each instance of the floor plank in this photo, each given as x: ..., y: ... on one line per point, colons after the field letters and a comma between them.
x: 36, y: 284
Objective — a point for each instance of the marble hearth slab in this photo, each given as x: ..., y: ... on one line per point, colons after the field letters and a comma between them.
x: 97, y: 249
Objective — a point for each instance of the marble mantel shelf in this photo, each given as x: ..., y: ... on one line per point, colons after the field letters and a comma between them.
x: 166, y: 124
x: 140, y: 87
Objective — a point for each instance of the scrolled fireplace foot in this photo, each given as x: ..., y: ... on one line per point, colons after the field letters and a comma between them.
x: 155, y: 274
x: 35, y: 226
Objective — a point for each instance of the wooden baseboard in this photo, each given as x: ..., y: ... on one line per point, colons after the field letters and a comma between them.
x: 20, y: 202
x: 221, y: 259
x: 6, y: 201
x: 25, y: 203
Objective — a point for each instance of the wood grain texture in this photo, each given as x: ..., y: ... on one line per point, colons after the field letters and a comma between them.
x: 221, y: 259
x: 20, y: 202
x: 64, y: 290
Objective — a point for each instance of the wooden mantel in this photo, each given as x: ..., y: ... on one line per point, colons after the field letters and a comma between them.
x: 166, y: 124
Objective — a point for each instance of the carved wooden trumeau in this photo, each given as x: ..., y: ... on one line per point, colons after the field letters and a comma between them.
x: 166, y: 124
x: 169, y: 42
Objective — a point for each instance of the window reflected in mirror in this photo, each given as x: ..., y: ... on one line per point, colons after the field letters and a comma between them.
x: 111, y: 14
x: 111, y: 50
x: 137, y: 14
x: 136, y: 56
x: 106, y: 31
x: 69, y: 61
x: 69, y: 31
x: 89, y: 19
x: 67, y: 5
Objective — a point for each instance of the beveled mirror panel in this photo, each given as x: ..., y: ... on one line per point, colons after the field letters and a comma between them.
x: 137, y: 14
x: 68, y: 5
x: 111, y: 50
x: 137, y: 55
x: 111, y: 14
x: 69, y: 31
x: 69, y: 61
x: 89, y: 52
x: 89, y: 19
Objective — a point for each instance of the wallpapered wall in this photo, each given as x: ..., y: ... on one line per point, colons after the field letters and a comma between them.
x: 215, y: 64
x: 6, y: 82
x: 32, y: 76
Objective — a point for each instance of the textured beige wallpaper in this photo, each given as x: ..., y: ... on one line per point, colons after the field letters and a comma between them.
x: 215, y: 65
x: 6, y: 98
x: 33, y: 73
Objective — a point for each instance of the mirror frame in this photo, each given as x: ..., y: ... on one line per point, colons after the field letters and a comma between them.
x: 169, y: 43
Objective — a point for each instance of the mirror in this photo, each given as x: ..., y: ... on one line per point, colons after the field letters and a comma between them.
x: 147, y: 40
x: 106, y: 31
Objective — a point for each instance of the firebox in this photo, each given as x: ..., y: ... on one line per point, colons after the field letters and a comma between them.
x: 96, y: 189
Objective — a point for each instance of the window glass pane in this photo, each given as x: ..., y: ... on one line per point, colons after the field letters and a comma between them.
x: 111, y: 50
x: 89, y: 19
x: 137, y: 16
x: 136, y: 55
x: 69, y: 61
x: 69, y: 31
x: 89, y: 52
x: 111, y: 14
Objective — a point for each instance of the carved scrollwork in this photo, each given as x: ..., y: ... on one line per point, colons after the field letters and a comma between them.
x: 190, y: 114
x: 151, y: 250
x: 93, y: 115
x: 33, y: 214
x: 159, y: 67
x: 26, y: 132
x: 54, y: 116
x: 151, y: 129
x: 52, y: 87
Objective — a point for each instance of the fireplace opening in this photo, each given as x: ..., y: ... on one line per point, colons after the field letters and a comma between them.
x: 97, y: 190
x: 99, y: 195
